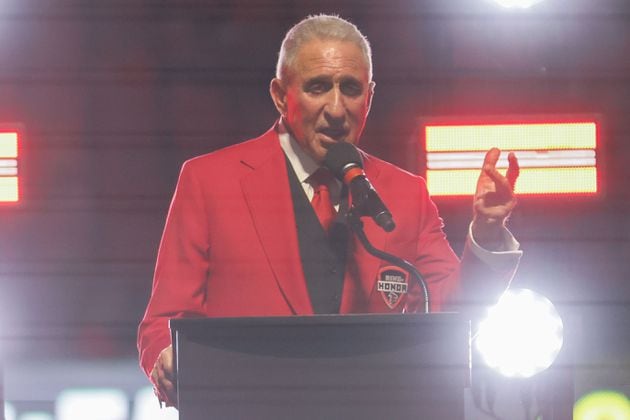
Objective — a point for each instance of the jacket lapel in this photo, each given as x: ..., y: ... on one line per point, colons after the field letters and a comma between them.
x: 266, y: 191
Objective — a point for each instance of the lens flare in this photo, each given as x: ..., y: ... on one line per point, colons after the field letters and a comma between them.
x: 522, y: 334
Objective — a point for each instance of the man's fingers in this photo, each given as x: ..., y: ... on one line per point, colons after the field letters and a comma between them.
x: 489, y: 170
x: 513, y: 170
x: 491, y: 158
x: 494, y: 199
x: 501, y: 183
x: 163, y: 377
x: 165, y: 388
x: 167, y: 391
x: 492, y: 209
x: 166, y: 362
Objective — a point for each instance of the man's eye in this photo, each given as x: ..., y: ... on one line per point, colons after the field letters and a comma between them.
x: 351, y: 89
x: 317, y: 87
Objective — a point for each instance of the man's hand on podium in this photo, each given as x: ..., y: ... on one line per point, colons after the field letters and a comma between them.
x: 163, y: 378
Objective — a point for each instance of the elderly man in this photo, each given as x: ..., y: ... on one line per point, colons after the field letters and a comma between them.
x: 245, y: 236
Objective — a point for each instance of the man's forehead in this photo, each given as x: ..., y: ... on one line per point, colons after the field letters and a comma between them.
x: 327, y: 57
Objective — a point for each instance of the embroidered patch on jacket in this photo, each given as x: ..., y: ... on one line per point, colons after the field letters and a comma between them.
x: 393, y: 283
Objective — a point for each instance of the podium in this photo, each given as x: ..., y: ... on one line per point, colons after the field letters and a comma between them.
x: 322, y: 367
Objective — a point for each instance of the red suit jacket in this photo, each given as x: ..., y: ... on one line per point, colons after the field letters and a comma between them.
x: 230, y: 246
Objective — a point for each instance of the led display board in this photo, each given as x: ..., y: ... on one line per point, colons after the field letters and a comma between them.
x: 9, y: 155
x: 557, y: 156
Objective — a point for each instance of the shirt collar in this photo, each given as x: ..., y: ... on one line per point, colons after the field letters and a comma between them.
x: 303, y: 165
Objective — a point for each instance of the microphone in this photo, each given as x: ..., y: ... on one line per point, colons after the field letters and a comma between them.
x: 346, y: 164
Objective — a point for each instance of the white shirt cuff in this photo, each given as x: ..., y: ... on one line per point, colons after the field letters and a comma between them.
x: 497, y: 260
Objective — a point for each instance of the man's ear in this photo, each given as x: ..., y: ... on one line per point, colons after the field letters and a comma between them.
x: 371, y: 87
x: 278, y: 94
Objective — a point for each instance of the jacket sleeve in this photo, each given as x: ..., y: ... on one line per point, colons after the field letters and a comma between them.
x: 179, y: 282
x: 435, y: 258
x: 465, y: 286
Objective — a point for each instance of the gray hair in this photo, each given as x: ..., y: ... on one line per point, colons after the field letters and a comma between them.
x: 322, y: 27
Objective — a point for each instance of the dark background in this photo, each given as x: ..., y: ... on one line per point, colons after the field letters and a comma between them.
x: 114, y: 96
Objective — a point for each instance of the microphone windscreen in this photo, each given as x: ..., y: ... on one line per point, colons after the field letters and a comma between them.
x: 340, y: 155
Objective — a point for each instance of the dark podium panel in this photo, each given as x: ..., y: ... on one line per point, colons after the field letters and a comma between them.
x: 325, y: 367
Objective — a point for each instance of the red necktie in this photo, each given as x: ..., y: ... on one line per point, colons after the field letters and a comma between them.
x: 322, y: 205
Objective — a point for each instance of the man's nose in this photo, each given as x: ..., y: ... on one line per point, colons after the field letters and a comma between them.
x: 335, y: 109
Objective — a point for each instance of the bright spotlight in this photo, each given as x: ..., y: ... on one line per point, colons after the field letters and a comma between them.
x: 36, y: 415
x: 522, y: 334
x: 94, y: 404
x: 9, y: 412
x: 145, y: 407
x: 610, y: 405
x: 521, y: 4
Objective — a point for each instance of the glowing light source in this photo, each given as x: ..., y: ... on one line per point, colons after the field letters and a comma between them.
x: 609, y: 405
x: 9, y: 183
x: 530, y: 181
x: 9, y: 411
x: 36, y: 415
x: 8, y: 145
x: 145, y: 407
x: 522, y: 4
x: 9, y: 191
x: 94, y: 404
x: 515, y: 136
x: 522, y: 334
x: 555, y: 158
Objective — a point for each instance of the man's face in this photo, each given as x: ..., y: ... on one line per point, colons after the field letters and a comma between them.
x: 327, y: 96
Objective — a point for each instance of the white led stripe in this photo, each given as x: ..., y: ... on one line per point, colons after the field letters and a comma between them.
x: 8, y: 167
x: 528, y: 154
x: 8, y: 172
x: 8, y: 163
x: 526, y: 159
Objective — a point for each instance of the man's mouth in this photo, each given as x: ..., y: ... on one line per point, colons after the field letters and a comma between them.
x: 336, y: 134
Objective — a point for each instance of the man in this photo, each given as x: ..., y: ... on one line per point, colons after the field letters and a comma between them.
x: 240, y: 240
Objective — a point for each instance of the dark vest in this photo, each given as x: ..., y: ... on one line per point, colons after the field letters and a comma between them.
x: 323, y: 254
